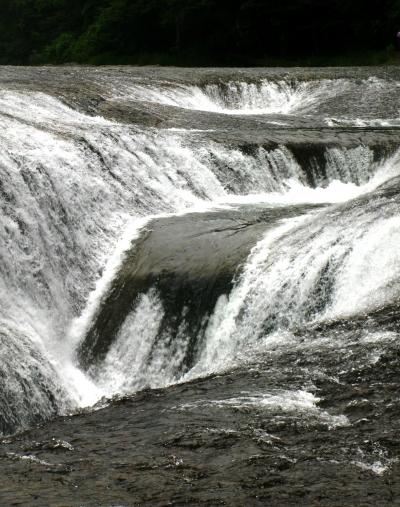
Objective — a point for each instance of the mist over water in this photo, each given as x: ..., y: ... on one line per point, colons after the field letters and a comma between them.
x: 81, y: 192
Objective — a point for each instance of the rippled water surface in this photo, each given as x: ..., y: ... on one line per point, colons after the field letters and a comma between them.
x: 199, y: 290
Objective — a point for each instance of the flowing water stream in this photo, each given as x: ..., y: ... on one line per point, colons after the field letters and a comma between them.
x: 165, y: 230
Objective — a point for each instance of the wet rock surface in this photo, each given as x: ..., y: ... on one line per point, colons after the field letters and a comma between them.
x: 256, y: 435
x: 307, y: 411
x: 108, y: 91
x: 306, y: 418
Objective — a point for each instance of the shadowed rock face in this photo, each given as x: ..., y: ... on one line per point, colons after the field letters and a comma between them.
x: 190, y: 261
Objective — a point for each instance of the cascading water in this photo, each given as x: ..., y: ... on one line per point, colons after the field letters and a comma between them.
x: 340, y: 263
x: 269, y: 96
x: 72, y: 183
x: 266, y: 97
x: 202, y: 267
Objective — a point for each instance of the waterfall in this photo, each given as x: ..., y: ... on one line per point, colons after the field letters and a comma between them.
x: 72, y: 185
x: 265, y: 97
x: 337, y: 264
x: 285, y: 96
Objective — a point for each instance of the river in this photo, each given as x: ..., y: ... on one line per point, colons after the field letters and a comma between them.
x: 200, y: 284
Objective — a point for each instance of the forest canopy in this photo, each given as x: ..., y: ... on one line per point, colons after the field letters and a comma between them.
x: 194, y: 31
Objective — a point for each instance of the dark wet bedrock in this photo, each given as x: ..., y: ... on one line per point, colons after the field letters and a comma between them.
x: 179, y: 447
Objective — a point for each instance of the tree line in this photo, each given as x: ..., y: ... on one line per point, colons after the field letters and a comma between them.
x: 198, y: 31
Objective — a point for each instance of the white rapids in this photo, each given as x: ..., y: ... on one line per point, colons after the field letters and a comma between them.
x: 72, y: 185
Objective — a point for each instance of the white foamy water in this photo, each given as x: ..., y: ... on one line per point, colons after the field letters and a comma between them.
x: 363, y: 122
x: 127, y: 367
x: 265, y: 97
x: 298, y: 402
x: 373, y: 268
x: 284, y: 96
x: 220, y: 343
x: 76, y: 192
x: 70, y: 185
x: 311, y: 269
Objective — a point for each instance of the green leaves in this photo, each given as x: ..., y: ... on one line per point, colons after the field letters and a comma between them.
x: 211, y: 31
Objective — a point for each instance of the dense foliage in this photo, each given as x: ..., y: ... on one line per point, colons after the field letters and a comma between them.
x: 197, y: 31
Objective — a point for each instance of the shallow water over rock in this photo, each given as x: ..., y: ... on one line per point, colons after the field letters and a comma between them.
x: 200, y: 286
